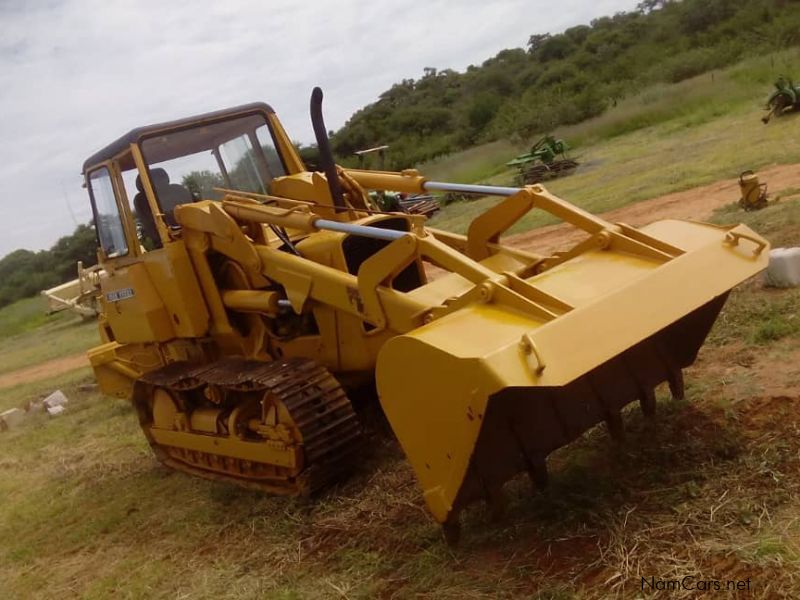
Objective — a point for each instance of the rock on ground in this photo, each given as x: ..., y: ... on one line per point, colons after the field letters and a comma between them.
x: 57, y: 398
x: 11, y: 418
x: 55, y: 410
x: 784, y: 267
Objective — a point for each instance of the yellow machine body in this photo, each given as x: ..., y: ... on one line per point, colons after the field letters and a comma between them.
x: 241, y: 329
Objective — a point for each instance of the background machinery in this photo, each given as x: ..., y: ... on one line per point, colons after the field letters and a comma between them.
x: 546, y: 160
x: 786, y: 97
x: 261, y: 309
x: 413, y: 204
x: 78, y: 295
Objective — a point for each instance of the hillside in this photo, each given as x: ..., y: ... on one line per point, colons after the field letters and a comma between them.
x: 665, y: 139
x: 566, y: 78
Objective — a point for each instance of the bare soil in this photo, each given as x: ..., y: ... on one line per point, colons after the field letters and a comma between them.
x: 697, y: 204
x: 51, y: 368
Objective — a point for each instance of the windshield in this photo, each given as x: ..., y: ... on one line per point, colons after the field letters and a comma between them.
x: 187, y: 165
x: 107, y: 218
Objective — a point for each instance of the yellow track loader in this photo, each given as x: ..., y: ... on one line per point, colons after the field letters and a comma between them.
x: 243, y: 299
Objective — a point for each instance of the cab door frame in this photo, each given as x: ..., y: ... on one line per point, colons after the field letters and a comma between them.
x: 164, y: 231
x: 124, y: 212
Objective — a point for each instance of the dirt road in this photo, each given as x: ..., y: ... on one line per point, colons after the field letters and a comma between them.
x: 51, y: 368
x: 697, y: 203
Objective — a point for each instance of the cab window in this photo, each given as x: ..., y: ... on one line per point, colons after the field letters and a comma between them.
x: 108, y: 221
x: 186, y: 165
x: 274, y: 161
x: 239, y: 156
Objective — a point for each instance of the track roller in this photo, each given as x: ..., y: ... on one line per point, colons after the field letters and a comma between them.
x: 284, y: 427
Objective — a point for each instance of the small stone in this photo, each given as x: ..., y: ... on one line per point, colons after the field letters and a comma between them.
x: 34, y: 406
x: 88, y: 387
x: 11, y: 418
x: 56, y: 410
x: 784, y: 268
x: 57, y: 398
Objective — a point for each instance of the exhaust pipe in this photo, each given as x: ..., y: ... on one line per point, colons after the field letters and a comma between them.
x: 325, y: 154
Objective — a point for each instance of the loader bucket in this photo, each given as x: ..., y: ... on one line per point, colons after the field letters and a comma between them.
x: 489, y: 390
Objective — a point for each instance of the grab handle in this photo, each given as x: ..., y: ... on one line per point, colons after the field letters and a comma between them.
x: 733, y: 237
x: 528, y: 347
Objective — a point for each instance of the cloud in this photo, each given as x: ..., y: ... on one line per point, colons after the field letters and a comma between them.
x: 76, y: 74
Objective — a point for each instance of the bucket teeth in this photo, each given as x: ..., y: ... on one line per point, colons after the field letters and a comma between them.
x: 498, y: 503
x: 647, y: 400
x: 615, y: 426
x: 537, y: 471
x: 676, y: 386
x: 451, y: 529
x: 522, y: 425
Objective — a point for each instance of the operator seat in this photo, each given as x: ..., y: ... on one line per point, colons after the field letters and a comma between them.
x: 144, y: 214
x: 169, y: 194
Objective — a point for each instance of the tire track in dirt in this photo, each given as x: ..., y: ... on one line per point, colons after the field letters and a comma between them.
x: 51, y: 368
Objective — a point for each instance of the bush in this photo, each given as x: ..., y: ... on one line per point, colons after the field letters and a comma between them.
x: 567, y: 77
x: 24, y: 273
x: 483, y: 109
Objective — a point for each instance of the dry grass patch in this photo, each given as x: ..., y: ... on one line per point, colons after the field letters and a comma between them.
x: 28, y: 336
x: 703, y: 489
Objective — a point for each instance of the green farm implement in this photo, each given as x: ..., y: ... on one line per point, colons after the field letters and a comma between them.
x: 786, y: 97
x: 547, y: 159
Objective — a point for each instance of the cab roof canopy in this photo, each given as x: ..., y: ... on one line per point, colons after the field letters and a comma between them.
x: 189, y: 143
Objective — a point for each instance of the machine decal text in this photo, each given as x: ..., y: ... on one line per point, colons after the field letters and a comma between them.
x: 118, y: 295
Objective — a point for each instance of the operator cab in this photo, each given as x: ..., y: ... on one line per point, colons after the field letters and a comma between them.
x: 136, y: 182
x: 152, y: 276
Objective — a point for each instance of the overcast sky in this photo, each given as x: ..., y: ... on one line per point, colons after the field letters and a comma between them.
x: 74, y: 75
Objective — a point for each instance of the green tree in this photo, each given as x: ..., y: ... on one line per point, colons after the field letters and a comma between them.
x: 565, y: 77
x: 25, y: 273
x: 202, y: 183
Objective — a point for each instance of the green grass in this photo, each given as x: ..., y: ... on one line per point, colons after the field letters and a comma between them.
x: 62, y: 335
x: 29, y: 336
x: 780, y: 220
x: 473, y: 165
x: 25, y: 315
x: 691, y: 102
x: 757, y: 315
x: 97, y: 516
x: 666, y: 139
